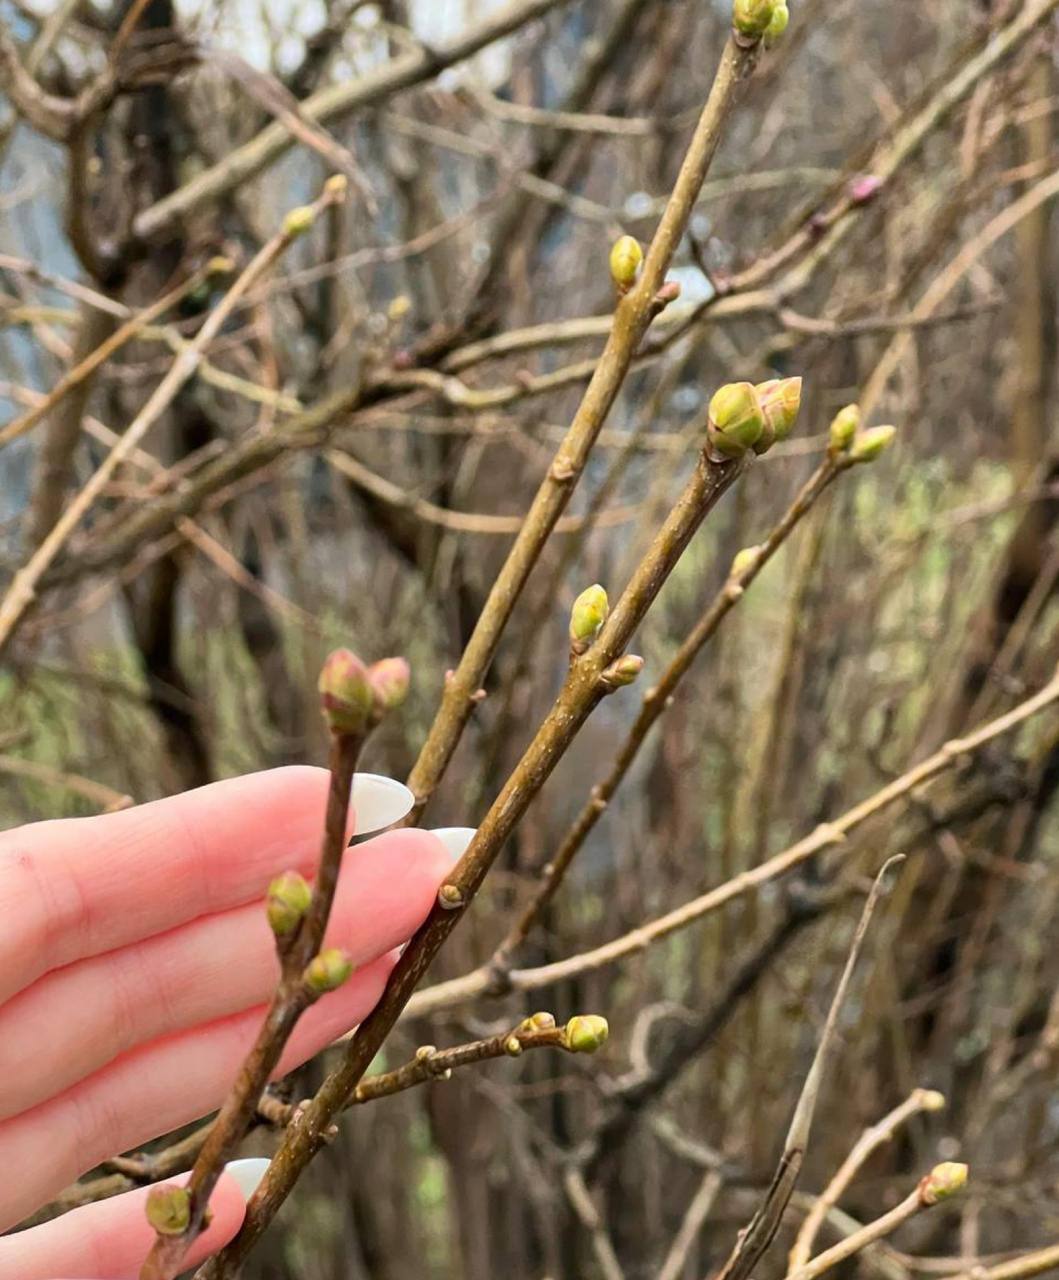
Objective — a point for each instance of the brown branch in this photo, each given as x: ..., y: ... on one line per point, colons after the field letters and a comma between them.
x: 332, y: 103
x: 22, y: 590
x: 590, y: 678
x: 938, y: 1185
x: 631, y: 319
x: 759, y: 1233
x: 869, y: 1141
x: 291, y: 998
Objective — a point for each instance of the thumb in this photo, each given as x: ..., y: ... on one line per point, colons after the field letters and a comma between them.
x: 109, y: 1240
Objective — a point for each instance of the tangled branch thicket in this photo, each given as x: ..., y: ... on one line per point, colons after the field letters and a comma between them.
x: 404, y: 327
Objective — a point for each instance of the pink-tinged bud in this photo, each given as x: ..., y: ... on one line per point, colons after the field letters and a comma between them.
x: 942, y: 1181
x: 844, y: 427
x: 168, y: 1210
x: 390, y: 678
x: 586, y: 1033
x: 327, y: 971
x: 736, y: 420
x: 346, y: 694
x: 780, y: 400
x: 287, y: 902
x: 538, y: 1022
x: 864, y: 187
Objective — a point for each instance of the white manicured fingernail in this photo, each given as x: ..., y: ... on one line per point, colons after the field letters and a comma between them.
x: 247, y: 1173
x: 455, y: 839
x: 379, y: 802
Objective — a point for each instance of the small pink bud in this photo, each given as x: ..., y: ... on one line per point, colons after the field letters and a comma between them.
x: 346, y: 694
x: 864, y: 187
x: 390, y: 678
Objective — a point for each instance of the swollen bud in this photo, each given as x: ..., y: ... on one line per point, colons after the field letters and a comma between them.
x: 537, y: 1022
x: 513, y: 1046
x: 869, y: 444
x: 625, y: 258
x: 942, y: 1181
x: 586, y: 1033
x: 931, y: 1099
x: 736, y: 420
x: 347, y: 696
x: 781, y: 15
x: 844, y: 427
x: 752, y: 17
x: 299, y: 220
x: 780, y: 400
x: 587, y: 617
x: 622, y: 671
x: 336, y: 186
x: 327, y: 971
x: 168, y: 1210
x: 287, y: 902
x: 744, y: 560
x: 390, y: 678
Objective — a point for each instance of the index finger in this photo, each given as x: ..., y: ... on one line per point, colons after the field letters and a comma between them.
x: 77, y: 887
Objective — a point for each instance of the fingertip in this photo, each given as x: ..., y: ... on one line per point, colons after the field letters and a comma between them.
x: 227, y: 1209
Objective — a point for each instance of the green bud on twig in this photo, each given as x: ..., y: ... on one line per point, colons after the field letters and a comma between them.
x: 587, y: 617
x: 736, y: 420
x: 168, y: 1210
x: 781, y: 16
x: 622, y: 671
x: 347, y: 697
x: 869, y: 444
x: 327, y: 971
x: 844, y: 427
x: 744, y: 560
x: 299, y: 220
x: 220, y: 265
x: 513, y: 1046
x: 942, y: 1181
x: 780, y: 400
x: 586, y: 1033
x: 336, y: 186
x: 625, y: 258
x: 287, y: 902
x: 537, y: 1022
x: 752, y: 17
x: 390, y: 678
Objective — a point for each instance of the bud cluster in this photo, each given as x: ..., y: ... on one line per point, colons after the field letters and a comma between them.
x: 743, y: 416
x: 353, y: 697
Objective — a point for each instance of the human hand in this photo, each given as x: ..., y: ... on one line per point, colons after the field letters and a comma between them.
x: 135, y: 965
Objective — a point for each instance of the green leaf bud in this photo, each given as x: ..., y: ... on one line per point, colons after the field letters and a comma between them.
x: 347, y: 697
x: 744, y: 560
x: 869, y: 444
x: 587, y: 617
x: 299, y: 220
x: 736, y: 420
x: 538, y: 1022
x: 513, y: 1046
x: 781, y: 16
x: 336, y: 186
x: 844, y: 427
x: 327, y: 971
x: 752, y: 17
x: 622, y: 671
x: 586, y: 1033
x: 168, y: 1210
x: 625, y: 259
x: 287, y: 902
x: 942, y: 1181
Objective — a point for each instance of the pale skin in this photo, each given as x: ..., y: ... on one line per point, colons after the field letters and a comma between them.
x: 135, y: 962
